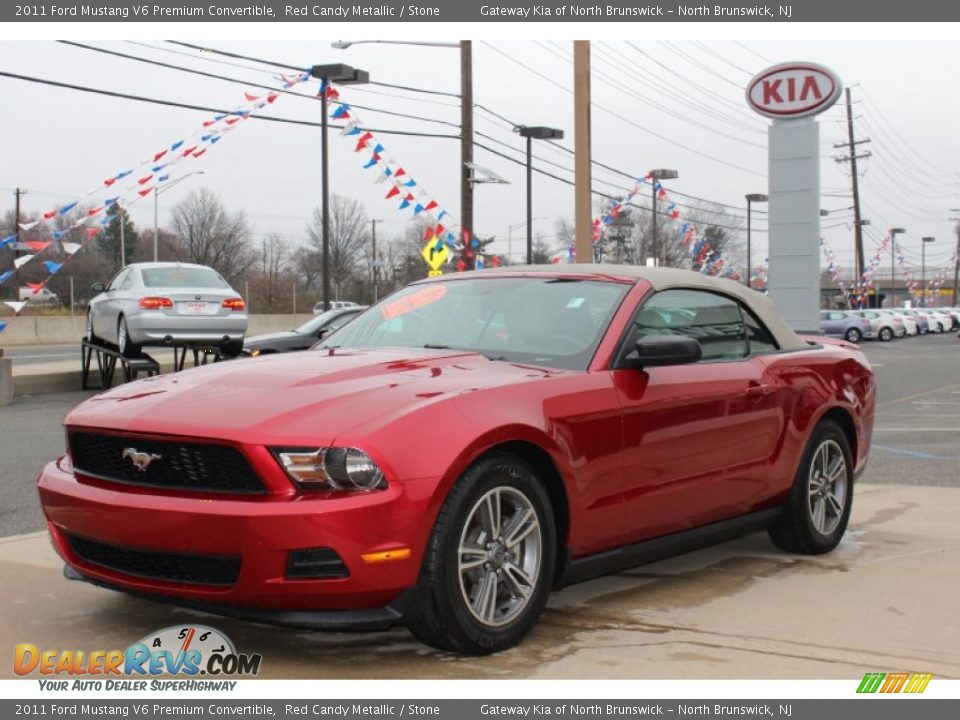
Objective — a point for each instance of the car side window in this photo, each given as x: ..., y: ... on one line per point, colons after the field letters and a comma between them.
x: 713, y: 320
x: 127, y: 282
x: 759, y: 339
x: 118, y: 280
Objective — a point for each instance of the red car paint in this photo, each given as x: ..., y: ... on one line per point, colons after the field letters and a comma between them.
x: 641, y: 453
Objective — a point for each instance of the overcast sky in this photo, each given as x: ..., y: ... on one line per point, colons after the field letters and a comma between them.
x: 656, y: 104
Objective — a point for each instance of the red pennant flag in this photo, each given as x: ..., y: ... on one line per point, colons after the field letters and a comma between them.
x: 92, y: 231
x: 144, y: 179
x: 469, y: 254
x: 362, y: 141
x: 428, y: 233
x: 94, y: 211
x: 36, y: 287
x: 251, y: 97
x: 431, y: 205
x: 208, y: 123
x: 188, y: 151
x: 47, y: 216
x: 496, y: 261
x: 461, y: 265
x: 109, y: 181
x: 393, y: 191
x: 662, y: 193
x: 272, y: 96
x: 440, y: 229
x: 198, y: 154
x: 144, y: 193
x: 409, y: 197
x: 675, y: 214
x: 37, y: 245
x: 231, y: 121
x: 400, y: 172
x: 332, y: 92
x: 159, y: 155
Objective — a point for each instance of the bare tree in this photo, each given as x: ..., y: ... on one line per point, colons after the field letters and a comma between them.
x: 349, y: 237
x: 272, y: 280
x: 209, y: 235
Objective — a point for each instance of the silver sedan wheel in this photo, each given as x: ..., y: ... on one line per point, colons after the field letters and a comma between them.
x: 499, y: 556
x: 827, y: 487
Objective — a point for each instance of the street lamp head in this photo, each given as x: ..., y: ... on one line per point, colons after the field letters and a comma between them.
x: 340, y: 74
x: 824, y: 213
x: 897, y: 231
x: 664, y: 174
x: 757, y: 198
x: 540, y: 133
x: 340, y: 44
x: 929, y: 239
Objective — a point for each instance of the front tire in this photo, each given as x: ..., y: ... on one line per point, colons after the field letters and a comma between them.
x: 853, y: 335
x: 817, y: 511
x: 91, y: 337
x: 886, y: 334
x: 126, y: 347
x: 489, y: 563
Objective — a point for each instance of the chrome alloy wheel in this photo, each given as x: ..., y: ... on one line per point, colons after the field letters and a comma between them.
x: 827, y: 487
x: 499, y: 556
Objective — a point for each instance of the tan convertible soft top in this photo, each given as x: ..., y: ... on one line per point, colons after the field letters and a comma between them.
x: 663, y: 278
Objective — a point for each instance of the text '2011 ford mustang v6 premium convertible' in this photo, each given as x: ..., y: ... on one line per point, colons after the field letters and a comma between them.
x: 461, y: 448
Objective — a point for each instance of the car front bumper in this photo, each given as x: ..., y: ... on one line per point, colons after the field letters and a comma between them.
x: 261, y: 532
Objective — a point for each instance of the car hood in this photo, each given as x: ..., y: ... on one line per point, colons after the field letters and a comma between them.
x: 296, y: 398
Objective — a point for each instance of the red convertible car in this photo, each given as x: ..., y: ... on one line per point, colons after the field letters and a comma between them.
x: 463, y: 447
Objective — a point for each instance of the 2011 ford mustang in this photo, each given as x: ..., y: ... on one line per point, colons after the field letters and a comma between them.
x: 463, y: 447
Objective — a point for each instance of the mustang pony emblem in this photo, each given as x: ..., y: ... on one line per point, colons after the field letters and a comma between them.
x: 141, y: 460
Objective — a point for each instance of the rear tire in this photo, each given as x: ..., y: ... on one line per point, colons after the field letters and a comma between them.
x: 127, y: 348
x: 230, y: 350
x: 816, y: 513
x: 885, y: 334
x: 489, y: 563
x: 853, y: 335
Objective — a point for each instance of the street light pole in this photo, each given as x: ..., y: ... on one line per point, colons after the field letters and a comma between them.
x: 751, y: 198
x: 341, y: 75
x: 534, y: 133
x: 655, y: 177
x: 923, y: 268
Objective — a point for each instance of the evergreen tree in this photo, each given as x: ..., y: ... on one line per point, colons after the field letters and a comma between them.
x: 109, y: 241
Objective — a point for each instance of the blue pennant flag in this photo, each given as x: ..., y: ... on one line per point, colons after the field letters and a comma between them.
x: 215, y: 140
x: 3, y: 326
x: 57, y: 234
x: 405, y: 204
x: 216, y: 118
x: 203, y: 138
x: 7, y: 240
x: 4, y: 276
x: 176, y: 145
x: 370, y: 163
x: 378, y: 148
x: 388, y: 172
x: 450, y: 240
x: 474, y: 242
x: 110, y: 201
x: 52, y: 266
x: 440, y: 216
x: 410, y: 183
x: 67, y: 208
x: 355, y: 130
x: 417, y: 209
x: 158, y: 168
x: 121, y: 176
x: 323, y: 87
x: 163, y: 178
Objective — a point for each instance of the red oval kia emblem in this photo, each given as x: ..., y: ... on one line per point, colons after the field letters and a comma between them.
x: 793, y: 90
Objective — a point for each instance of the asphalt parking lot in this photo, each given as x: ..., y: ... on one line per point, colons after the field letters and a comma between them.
x: 886, y: 599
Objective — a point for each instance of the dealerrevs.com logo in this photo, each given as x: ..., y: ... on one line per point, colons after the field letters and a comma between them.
x: 898, y: 682
x: 180, y: 651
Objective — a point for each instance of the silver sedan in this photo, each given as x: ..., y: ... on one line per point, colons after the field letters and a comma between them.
x: 167, y: 304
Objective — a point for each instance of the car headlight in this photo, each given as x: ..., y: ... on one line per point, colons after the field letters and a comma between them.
x: 333, y: 468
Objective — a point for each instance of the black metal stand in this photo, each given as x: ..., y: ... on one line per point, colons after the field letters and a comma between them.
x: 107, y: 357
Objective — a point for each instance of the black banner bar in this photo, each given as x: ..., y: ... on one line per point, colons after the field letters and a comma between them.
x: 328, y: 11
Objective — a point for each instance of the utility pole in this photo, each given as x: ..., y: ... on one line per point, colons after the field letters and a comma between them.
x: 583, y: 248
x: 18, y: 193
x: 466, y: 150
x: 956, y: 268
x: 852, y: 157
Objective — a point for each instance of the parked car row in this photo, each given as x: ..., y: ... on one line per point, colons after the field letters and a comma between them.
x: 886, y: 324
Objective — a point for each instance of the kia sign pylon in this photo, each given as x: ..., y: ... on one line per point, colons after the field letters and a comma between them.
x: 792, y: 94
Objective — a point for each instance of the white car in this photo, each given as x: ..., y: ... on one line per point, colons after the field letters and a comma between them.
x: 909, y: 323
x: 334, y: 305
x: 167, y: 303
x: 939, y: 321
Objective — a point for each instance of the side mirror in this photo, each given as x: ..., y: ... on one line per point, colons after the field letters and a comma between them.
x: 660, y: 350
x: 323, y: 332
x: 98, y: 287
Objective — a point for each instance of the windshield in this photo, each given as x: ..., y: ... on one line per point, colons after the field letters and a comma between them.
x: 182, y: 277
x: 318, y: 321
x: 555, y: 322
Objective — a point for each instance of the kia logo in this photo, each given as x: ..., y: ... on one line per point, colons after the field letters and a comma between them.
x: 793, y: 90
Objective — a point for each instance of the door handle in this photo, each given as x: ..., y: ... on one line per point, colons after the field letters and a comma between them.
x: 759, y: 391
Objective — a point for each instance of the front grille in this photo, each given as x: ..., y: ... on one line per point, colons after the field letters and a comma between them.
x: 201, y: 467
x: 201, y: 569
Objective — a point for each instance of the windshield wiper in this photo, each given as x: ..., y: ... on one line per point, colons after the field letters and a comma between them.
x: 432, y: 346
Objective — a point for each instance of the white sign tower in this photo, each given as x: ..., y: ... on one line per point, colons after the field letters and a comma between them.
x: 793, y: 94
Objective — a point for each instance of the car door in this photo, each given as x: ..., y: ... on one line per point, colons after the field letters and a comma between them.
x: 104, y: 309
x: 828, y: 323
x: 698, y: 439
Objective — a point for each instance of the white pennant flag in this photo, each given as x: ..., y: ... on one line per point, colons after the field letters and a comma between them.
x: 30, y: 226
x: 17, y: 306
x: 70, y: 248
x: 23, y: 259
x: 349, y: 127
